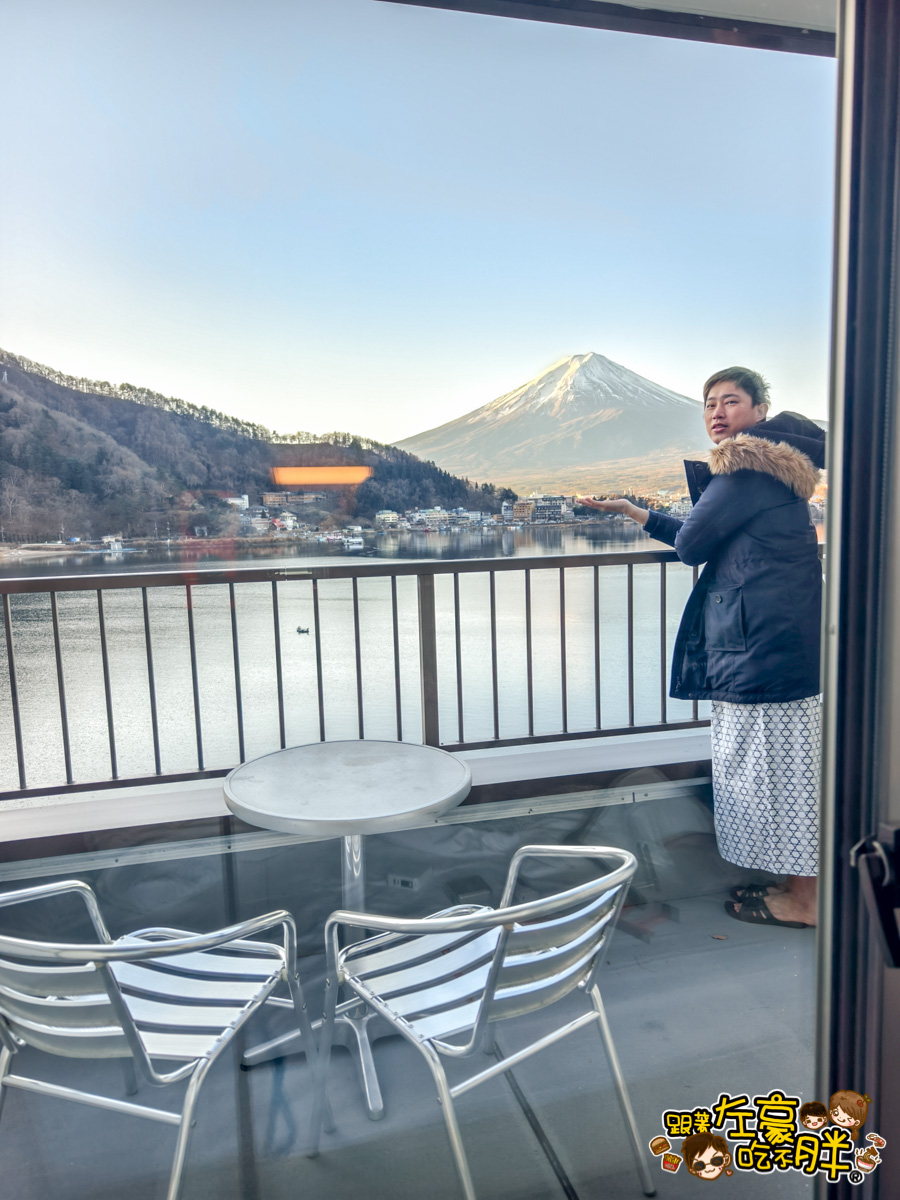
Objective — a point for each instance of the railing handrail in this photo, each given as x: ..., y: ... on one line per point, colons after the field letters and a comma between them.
x: 340, y: 570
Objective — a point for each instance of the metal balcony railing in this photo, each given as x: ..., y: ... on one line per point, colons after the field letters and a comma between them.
x: 169, y: 675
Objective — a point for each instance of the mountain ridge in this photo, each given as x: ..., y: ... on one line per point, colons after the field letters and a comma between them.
x: 128, y: 459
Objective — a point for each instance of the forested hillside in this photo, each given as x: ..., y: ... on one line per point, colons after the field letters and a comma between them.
x: 83, y: 458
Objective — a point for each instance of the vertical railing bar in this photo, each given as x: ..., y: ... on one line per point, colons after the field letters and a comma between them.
x: 107, y: 687
x: 428, y: 664
x: 663, y: 703
x: 236, y: 659
x: 319, y: 685
x: 695, y: 707
x: 151, y: 683
x: 14, y: 691
x: 562, y: 650
x: 195, y: 683
x: 597, y: 645
x: 529, y: 657
x: 495, y: 690
x: 457, y: 625
x: 356, y: 639
x: 396, y: 633
x: 279, y: 672
x: 61, y: 688
x: 630, y: 570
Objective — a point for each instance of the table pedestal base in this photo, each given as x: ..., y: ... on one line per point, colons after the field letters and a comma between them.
x: 356, y: 1033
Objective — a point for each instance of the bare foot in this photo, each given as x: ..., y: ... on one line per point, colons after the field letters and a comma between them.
x: 787, y: 906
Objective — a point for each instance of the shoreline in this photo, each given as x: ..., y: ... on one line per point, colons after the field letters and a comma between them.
x: 35, y: 550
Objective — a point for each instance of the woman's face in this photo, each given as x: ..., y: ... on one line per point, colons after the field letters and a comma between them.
x: 839, y: 1117
x: 729, y: 410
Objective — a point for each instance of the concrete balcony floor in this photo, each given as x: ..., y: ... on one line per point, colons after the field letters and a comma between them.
x: 698, y: 1005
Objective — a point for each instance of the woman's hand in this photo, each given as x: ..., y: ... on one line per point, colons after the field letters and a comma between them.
x: 620, y: 505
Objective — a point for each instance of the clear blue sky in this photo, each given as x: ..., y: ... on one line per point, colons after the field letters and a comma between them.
x: 365, y: 216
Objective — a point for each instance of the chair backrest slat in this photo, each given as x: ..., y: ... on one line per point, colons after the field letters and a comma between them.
x: 462, y: 956
x: 88, y: 1042
x: 521, y: 970
x: 58, y: 1011
x: 545, y: 959
x: 563, y: 927
x: 416, y: 992
x: 42, y: 980
x: 455, y: 1004
x: 543, y: 990
x: 414, y: 951
x: 449, y: 993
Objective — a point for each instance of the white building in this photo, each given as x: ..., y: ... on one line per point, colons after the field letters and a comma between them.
x: 550, y: 508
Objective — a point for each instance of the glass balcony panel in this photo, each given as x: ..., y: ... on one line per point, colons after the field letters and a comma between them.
x: 690, y: 996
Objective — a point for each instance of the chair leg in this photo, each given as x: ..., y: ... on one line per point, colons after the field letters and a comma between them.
x: 129, y: 1076
x: 5, y: 1057
x: 446, y: 1102
x: 322, y: 1063
x: 185, y: 1129
x: 313, y: 1058
x: 637, y: 1149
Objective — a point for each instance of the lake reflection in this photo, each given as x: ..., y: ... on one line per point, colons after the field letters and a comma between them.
x: 588, y: 538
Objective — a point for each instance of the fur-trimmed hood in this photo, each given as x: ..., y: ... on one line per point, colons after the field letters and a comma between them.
x: 745, y: 453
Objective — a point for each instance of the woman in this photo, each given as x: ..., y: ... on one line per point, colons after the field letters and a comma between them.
x: 749, y: 637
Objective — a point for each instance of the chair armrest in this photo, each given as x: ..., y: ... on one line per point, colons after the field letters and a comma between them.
x: 177, y: 941
x: 122, y: 951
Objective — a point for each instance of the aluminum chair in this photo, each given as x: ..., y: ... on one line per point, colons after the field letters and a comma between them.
x: 153, y: 996
x: 458, y: 972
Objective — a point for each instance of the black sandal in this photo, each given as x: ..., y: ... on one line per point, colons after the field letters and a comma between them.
x: 751, y: 891
x: 755, y: 911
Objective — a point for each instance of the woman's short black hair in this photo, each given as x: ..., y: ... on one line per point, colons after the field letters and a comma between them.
x: 751, y: 381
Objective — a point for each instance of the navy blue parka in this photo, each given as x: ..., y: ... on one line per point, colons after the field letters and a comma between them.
x: 750, y: 632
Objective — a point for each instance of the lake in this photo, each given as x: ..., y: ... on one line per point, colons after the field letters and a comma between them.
x: 81, y: 659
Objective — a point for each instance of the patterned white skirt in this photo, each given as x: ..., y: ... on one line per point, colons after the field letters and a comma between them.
x: 765, y: 767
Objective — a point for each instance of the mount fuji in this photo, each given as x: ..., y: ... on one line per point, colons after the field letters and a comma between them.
x: 583, y: 411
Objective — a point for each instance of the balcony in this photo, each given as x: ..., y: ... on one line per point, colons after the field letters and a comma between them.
x: 127, y: 697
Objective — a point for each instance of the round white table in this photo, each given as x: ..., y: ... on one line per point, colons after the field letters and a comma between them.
x: 346, y: 789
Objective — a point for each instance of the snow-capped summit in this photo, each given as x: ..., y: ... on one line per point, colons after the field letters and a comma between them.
x: 582, y: 410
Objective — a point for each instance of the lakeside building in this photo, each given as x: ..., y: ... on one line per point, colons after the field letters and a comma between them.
x: 552, y: 508
x: 429, y: 516
x: 278, y: 499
